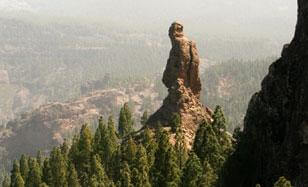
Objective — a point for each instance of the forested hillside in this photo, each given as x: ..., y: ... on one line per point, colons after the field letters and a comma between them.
x: 49, y: 69
x: 230, y: 84
x: 84, y: 100
x: 43, y: 63
x: 47, y: 62
x: 111, y: 158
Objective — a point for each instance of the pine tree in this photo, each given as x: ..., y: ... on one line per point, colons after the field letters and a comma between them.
x: 282, y: 182
x: 106, y: 142
x: 19, y: 181
x: 209, y: 176
x: 150, y: 145
x: 15, y: 173
x: 24, y: 167
x: 124, y: 176
x: 34, y: 178
x: 98, y: 172
x: 180, y: 148
x: 175, y: 122
x: 165, y: 171
x: 100, y: 131
x: 115, y: 165
x: 207, y: 146
x: 112, y: 132
x: 135, y: 177
x: 16, y: 178
x: 73, y: 151
x: 84, y: 155
x: 141, y: 170
x: 144, y: 118
x: 93, y: 181
x: 72, y: 180
x: 219, y: 127
x: 58, y: 166
x: 192, y: 172
x: 40, y: 158
x: 126, y: 122
x: 174, y: 172
x: 219, y: 120
x: 129, y: 150
x: 47, y: 173
x: 111, y: 141
x: 65, y: 149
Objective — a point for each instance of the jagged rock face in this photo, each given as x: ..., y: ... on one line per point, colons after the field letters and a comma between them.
x: 183, y: 62
x: 181, y: 77
x: 275, y: 137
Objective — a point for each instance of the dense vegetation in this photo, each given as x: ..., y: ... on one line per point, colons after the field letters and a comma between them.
x: 60, y: 62
x: 112, y: 158
x: 146, y: 159
x: 231, y: 84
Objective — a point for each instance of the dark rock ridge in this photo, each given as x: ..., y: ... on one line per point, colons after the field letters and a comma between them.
x: 181, y: 77
x: 274, y: 142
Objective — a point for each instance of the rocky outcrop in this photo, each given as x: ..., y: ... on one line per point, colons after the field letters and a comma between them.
x: 181, y: 77
x: 274, y: 142
x: 51, y: 123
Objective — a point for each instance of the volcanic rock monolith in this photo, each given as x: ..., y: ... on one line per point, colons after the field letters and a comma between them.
x: 181, y: 77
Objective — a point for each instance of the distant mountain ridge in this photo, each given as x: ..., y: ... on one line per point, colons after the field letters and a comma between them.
x: 244, y: 17
x: 39, y: 58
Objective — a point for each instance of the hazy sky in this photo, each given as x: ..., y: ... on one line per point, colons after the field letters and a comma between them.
x: 214, y: 16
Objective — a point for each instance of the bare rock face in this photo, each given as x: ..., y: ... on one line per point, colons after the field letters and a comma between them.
x: 274, y: 142
x: 183, y: 62
x: 182, y: 79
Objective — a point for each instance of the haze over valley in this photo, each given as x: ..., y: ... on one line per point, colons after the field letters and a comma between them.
x: 64, y: 63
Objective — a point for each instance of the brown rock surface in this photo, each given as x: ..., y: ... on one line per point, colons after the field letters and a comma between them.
x: 181, y: 77
x: 51, y: 123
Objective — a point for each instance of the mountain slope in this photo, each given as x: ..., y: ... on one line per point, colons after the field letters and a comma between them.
x: 274, y: 142
x: 50, y: 124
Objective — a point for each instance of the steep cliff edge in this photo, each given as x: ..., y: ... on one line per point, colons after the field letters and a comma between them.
x: 181, y: 77
x: 274, y: 142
